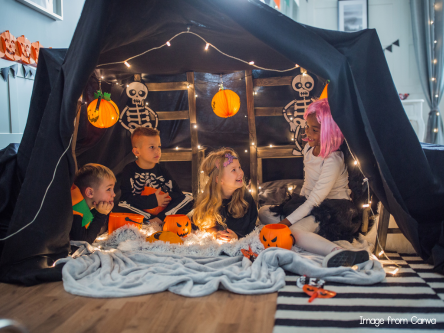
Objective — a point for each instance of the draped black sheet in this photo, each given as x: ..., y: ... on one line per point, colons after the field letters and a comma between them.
x: 406, y: 177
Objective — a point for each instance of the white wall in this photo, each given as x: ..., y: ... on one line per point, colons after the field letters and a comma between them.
x: 392, y: 21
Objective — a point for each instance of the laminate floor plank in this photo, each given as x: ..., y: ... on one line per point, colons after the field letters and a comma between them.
x: 48, y: 308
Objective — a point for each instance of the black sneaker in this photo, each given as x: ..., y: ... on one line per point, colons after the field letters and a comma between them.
x: 346, y: 258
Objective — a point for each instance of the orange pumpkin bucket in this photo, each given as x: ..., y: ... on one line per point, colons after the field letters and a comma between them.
x: 117, y: 220
x: 148, y: 191
x: 179, y: 224
x: 276, y: 235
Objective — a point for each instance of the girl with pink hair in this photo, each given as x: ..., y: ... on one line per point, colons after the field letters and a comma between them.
x: 324, y: 203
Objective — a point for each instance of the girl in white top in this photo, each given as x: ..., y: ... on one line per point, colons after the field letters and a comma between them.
x: 326, y: 177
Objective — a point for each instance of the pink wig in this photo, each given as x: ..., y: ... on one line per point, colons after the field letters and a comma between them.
x: 331, y: 135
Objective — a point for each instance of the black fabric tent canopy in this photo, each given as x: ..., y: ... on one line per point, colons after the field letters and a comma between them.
x: 406, y: 177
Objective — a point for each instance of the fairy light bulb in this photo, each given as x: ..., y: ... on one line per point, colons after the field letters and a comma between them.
x: 168, y: 43
x: 195, y: 95
x: 251, y: 63
x: 127, y: 85
x: 271, y: 146
x: 102, y: 77
x: 435, y: 130
x: 380, y: 253
x: 207, y: 46
x: 355, y: 162
x: 127, y: 64
x: 435, y: 61
x: 177, y: 148
x: 296, y: 66
x: 249, y: 190
x: 252, y: 143
x: 198, y: 146
x: 246, y: 151
x: 260, y: 187
x: 366, y: 205
x: 395, y: 271
x: 195, y: 126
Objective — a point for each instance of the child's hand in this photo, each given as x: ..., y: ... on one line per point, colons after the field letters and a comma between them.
x: 157, y: 220
x: 227, y: 235
x: 162, y: 199
x: 103, y: 207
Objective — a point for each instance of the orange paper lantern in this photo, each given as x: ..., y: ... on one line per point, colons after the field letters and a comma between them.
x: 276, y: 235
x: 148, y: 191
x: 324, y: 92
x: 165, y: 236
x: 179, y: 224
x: 103, y: 112
x: 225, y: 103
x: 117, y: 220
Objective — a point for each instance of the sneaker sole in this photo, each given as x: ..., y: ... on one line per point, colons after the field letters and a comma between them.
x: 347, y: 258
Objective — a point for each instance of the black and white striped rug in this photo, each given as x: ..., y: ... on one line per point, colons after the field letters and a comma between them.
x: 412, y: 299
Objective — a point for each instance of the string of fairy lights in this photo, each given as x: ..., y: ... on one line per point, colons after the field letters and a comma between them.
x: 126, y: 62
x: 435, y: 60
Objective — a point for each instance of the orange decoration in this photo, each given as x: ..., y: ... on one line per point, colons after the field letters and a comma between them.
x: 35, y: 50
x: 324, y: 92
x: 315, y: 292
x: 103, y: 113
x: 276, y: 235
x: 179, y: 224
x: 225, y: 103
x: 117, y: 220
x: 148, y: 191
x: 8, y: 49
x: 165, y: 236
x: 24, y: 48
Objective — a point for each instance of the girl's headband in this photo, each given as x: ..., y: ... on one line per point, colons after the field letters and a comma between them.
x: 226, y: 163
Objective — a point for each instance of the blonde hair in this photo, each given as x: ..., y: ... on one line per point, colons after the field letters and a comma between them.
x: 142, y: 131
x: 92, y: 175
x: 206, y: 212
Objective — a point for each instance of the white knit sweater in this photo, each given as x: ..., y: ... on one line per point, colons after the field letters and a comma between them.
x: 324, y: 179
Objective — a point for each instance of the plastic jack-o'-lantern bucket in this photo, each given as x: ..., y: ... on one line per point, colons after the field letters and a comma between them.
x: 148, y: 191
x: 179, y: 224
x: 117, y: 220
x: 276, y: 235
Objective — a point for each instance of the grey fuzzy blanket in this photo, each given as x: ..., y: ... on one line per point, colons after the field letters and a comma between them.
x: 134, y: 267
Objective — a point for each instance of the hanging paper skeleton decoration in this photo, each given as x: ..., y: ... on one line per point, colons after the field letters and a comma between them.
x: 24, y: 48
x: 138, y: 114
x: 293, y: 112
x: 8, y: 49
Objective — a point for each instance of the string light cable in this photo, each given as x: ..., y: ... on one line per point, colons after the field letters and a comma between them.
x: 207, y: 44
x: 391, y: 262
x: 46, y: 192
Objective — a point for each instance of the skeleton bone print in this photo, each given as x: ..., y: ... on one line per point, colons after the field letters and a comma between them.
x: 141, y: 180
x: 294, y: 111
x: 138, y: 114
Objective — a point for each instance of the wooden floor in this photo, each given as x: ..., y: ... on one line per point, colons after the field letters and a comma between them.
x: 48, y: 308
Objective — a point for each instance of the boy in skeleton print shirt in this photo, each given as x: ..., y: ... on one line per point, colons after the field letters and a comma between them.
x: 146, y: 172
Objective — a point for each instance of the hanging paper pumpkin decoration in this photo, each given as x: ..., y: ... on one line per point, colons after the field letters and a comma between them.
x: 165, y: 236
x: 117, y: 220
x: 35, y: 50
x: 276, y: 235
x: 225, y: 103
x: 324, y: 93
x: 24, y: 48
x: 103, y: 112
x: 179, y: 224
x: 148, y: 191
x: 8, y: 48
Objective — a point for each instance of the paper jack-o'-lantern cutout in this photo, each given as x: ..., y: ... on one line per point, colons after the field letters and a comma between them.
x: 179, y: 224
x: 276, y: 235
x: 118, y: 220
x: 148, y: 191
x: 103, y: 112
x: 8, y: 47
x: 35, y: 51
x: 225, y: 103
x: 24, y: 48
x: 165, y: 236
